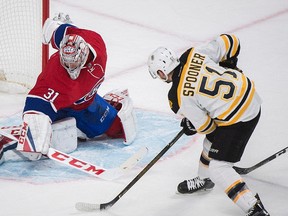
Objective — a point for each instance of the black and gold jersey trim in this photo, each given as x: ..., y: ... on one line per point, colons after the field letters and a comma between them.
x: 232, y: 45
x: 239, y: 106
x: 173, y: 96
x: 208, y: 127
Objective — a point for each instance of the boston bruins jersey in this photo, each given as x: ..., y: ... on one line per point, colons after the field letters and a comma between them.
x: 210, y: 95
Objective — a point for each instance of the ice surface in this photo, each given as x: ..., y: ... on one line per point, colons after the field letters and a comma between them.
x: 132, y: 29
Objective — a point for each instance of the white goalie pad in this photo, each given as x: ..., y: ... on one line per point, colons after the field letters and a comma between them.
x: 35, y: 134
x: 128, y: 120
x: 61, y: 135
x: 126, y: 113
x: 64, y: 139
x: 64, y: 135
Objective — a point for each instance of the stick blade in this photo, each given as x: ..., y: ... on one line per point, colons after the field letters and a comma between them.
x: 134, y: 159
x: 241, y: 171
x: 130, y: 163
x: 87, y: 207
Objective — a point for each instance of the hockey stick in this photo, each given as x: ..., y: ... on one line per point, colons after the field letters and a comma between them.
x: 82, y: 206
x: 244, y: 171
x: 96, y: 171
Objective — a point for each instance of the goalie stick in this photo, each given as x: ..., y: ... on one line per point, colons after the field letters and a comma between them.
x: 244, y: 171
x: 82, y: 206
x: 94, y: 170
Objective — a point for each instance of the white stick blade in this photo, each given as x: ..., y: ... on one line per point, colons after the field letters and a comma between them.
x: 88, y: 207
x: 134, y: 159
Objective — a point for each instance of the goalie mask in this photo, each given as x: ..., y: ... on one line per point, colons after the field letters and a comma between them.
x: 162, y: 59
x: 74, y: 52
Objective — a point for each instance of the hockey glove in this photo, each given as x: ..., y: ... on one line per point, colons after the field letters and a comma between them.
x: 64, y: 18
x: 188, y: 127
x: 51, y: 25
x: 230, y: 63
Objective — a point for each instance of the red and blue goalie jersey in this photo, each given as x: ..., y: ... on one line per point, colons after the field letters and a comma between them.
x: 55, y: 90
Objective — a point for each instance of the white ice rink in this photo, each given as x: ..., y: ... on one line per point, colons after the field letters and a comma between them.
x: 132, y: 29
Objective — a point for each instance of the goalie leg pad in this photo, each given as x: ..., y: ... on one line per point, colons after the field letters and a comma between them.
x: 9, y: 141
x: 64, y: 135
x: 122, y: 102
x: 36, y: 133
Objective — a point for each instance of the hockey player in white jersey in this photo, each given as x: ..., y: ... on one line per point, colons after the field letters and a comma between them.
x: 214, y: 98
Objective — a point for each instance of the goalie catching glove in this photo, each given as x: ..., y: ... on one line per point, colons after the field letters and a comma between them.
x: 51, y: 25
x: 188, y: 127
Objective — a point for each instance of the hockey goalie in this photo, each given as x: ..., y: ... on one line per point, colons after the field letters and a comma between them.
x: 64, y: 103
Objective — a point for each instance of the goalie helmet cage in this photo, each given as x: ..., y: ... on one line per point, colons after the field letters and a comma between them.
x: 22, y: 54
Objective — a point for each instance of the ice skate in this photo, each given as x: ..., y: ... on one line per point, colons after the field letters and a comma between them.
x: 194, y: 185
x: 258, y: 209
